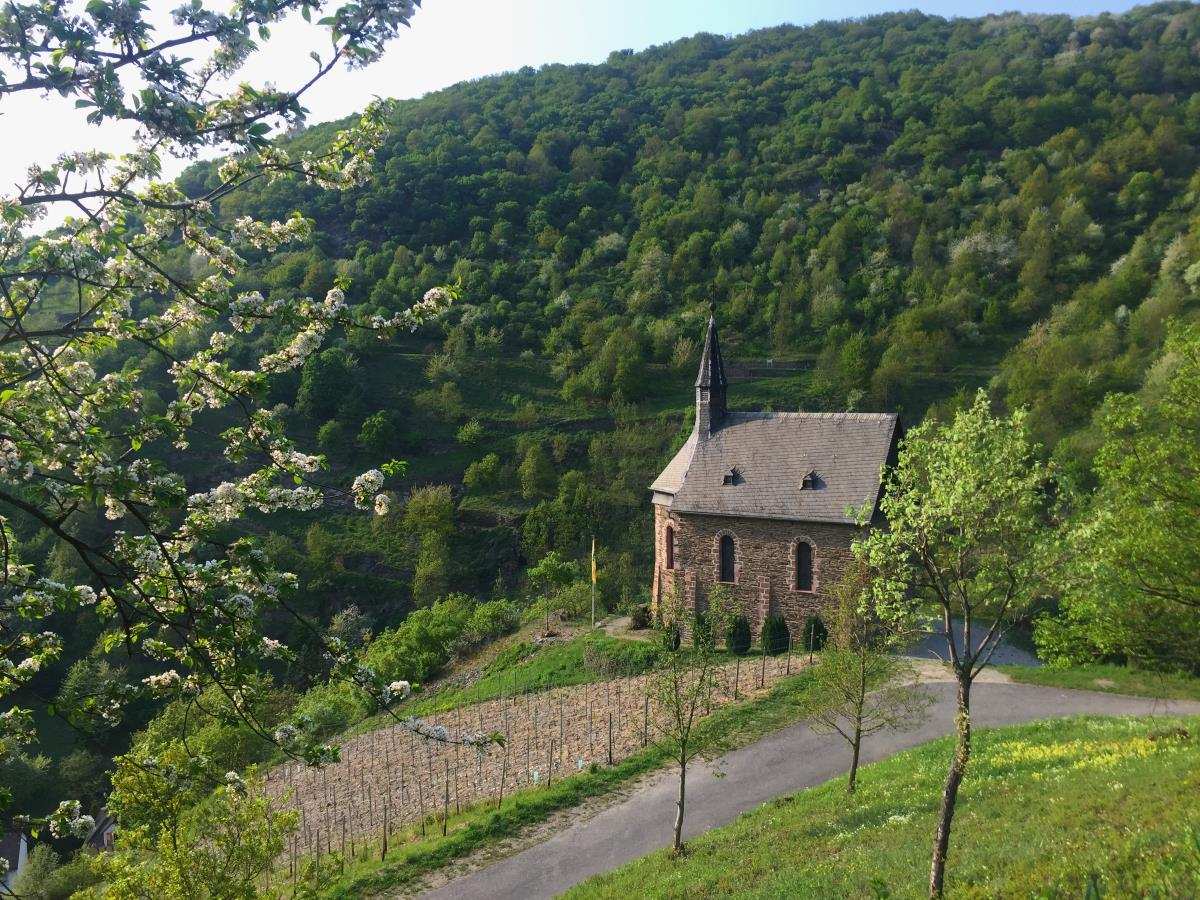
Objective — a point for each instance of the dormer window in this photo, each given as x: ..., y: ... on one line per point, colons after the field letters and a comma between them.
x: 733, y: 476
x: 811, y: 481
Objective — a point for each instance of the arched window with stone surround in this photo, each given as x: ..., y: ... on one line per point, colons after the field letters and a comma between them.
x: 670, y: 547
x: 804, y: 566
x: 728, y: 554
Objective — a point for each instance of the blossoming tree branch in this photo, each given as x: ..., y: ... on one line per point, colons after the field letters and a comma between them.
x: 87, y: 306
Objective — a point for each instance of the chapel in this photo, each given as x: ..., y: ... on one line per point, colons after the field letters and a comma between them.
x: 767, y: 503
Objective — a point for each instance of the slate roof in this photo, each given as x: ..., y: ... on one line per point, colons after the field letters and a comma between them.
x: 773, y: 452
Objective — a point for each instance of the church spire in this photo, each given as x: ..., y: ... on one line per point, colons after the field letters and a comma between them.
x: 710, y: 382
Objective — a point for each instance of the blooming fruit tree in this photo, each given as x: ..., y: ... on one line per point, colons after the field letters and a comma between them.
x: 88, y: 304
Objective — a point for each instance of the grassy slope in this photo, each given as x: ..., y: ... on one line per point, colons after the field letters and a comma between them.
x: 412, y: 856
x: 1044, y: 808
x: 514, y: 665
x: 1113, y: 679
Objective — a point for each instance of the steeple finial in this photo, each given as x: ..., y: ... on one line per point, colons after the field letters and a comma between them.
x: 711, y: 381
x: 712, y: 366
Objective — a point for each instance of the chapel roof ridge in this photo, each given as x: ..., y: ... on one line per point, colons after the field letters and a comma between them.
x: 804, y: 414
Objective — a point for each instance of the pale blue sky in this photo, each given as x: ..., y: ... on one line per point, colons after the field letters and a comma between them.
x: 455, y: 40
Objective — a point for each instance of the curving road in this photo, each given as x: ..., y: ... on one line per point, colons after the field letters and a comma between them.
x: 779, y: 764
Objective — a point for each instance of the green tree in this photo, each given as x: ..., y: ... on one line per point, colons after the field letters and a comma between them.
x: 429, y: 516
x: 1132, y: 587
x: 219, y: 849
x: 865, y: 686
x: 536, y: 472
x: 329, y: 382
x: 378, y: 432
x: 684, y: 683
x: 966, y: 511
x: 483, y: 474
x: 331, y: 437
x: 158, y: 300
x: 550, y: 578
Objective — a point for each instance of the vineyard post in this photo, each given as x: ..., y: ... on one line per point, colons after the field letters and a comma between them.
x: 561, y: 741
x: 403, y: 787
x: 645, y: 720
x: 343, y: 865
x: 762, y: 674
x: 610, y: 747
x: 737, y: 676
x: 458, y: 726
x: 550, y: 764
x: 503, y: 775
x: 446, y: 797
x: 383, y: 849
x: 421, y: 801
x: 812, y: 633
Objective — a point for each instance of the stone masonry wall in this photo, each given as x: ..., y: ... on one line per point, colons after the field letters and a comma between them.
x: 765, y: 557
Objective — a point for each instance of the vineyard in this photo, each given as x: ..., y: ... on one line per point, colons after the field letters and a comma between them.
x: 389, y: 778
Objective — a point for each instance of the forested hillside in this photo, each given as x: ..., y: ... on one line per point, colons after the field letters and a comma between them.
x: 887, y: 213
x: 902, y: 206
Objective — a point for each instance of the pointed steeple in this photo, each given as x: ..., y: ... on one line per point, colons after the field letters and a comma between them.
x: 711, y: 381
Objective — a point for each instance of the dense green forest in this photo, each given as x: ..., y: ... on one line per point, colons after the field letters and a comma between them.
x: 901, y: 208
x: 887, y: 213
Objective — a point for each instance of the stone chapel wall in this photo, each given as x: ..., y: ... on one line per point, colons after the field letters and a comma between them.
x: 765, y: 563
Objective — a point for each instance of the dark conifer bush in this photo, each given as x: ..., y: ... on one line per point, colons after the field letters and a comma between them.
x: 815, y: 633
x: 774, y: 637
x: 738, y: 639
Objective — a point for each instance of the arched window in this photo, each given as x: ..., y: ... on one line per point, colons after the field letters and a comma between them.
x: 804, y: 566
x: 670, y: 547
x: 727, y: 559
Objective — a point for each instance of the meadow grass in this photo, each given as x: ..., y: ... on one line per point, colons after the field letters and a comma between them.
x: 1046, y: 810
x: 412, y: 855
x: 1113, y: 679
x: 523, y: 668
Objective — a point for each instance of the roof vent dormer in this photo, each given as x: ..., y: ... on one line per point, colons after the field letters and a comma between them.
x: 733, y: 477
x: 811, y: 481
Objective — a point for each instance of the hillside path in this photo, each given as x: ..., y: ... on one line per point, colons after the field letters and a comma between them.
x: 780, y: 764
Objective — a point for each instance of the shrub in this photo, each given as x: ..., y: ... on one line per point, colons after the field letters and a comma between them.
x: 43, y: 878
x: 333, y: 706
x: 488, y: 622
x: 331, y: 436
x: 815, y: 633
x: 483, y: 473
x: 774, y: 636
x: 672, y: 637
x: 702, y: 635
x: 378, y: 432
x: 422, y: 643
x: 470, y: 433
x: 43, y: 861
x: 640, y: 617
x: 738, y: 638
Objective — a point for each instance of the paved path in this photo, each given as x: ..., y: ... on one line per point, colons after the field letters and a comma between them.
x: 777, y: 765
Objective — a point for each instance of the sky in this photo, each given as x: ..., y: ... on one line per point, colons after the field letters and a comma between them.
x: 457, y: 40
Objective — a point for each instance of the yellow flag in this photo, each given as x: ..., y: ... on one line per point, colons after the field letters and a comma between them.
x: 593, y: 560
